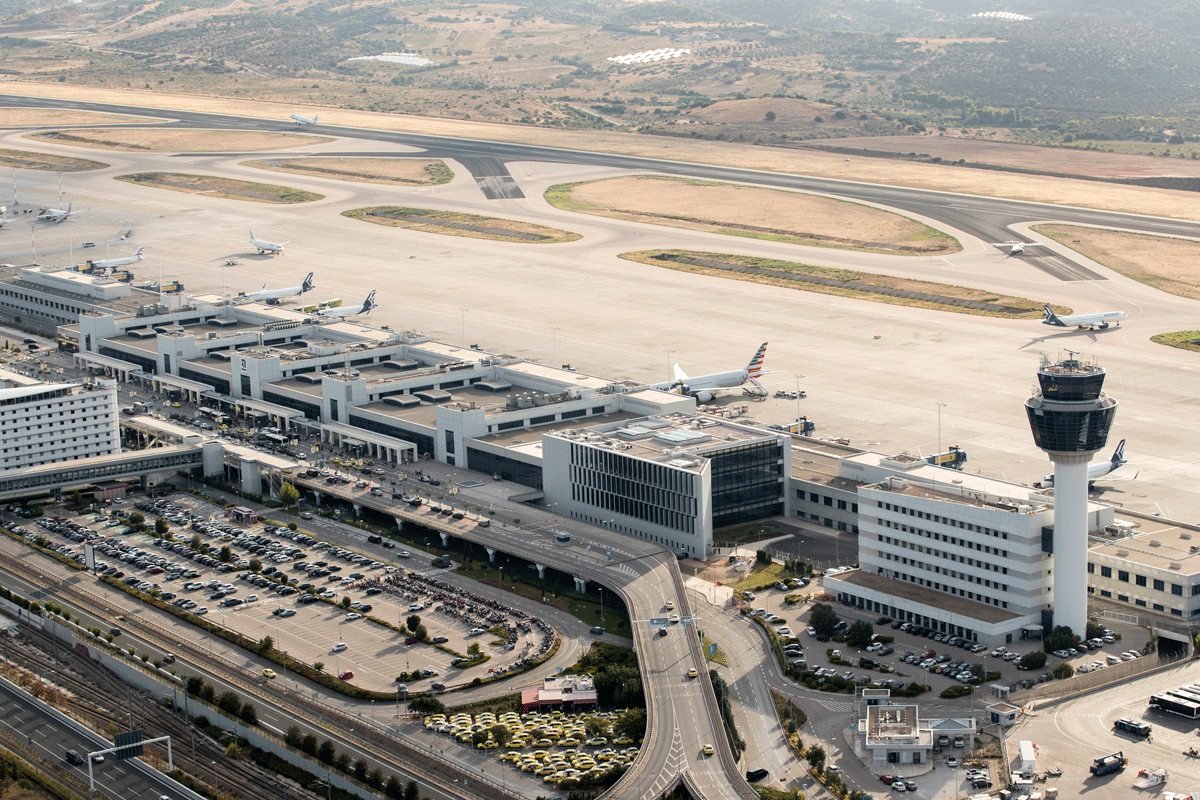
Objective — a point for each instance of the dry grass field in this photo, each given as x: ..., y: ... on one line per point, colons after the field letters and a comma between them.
x: 452, y: 223
x: 27, y: 159
x: 175, y: 140
x: 1170, y: 265
x: 402, y: 171
x: 752, y: 212
x: 221, y: 187
x: 13, y: 117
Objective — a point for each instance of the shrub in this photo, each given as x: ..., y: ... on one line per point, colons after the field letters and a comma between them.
x: 953, y: 692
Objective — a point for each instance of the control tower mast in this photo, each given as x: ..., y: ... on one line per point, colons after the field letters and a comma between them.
x: 1070, y: 418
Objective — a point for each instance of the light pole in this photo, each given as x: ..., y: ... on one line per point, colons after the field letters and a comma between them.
x: 798, y: 428
x: 463, y: 315
x: 669, y: 364
x: 940, y: 406
x: 554, y: 347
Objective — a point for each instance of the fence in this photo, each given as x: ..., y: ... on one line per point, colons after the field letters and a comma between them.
x: 1117, y: 673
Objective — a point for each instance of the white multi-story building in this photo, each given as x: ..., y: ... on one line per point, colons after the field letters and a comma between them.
x: 964, y: 555
x: 44, y: 423
x: 671, y: 478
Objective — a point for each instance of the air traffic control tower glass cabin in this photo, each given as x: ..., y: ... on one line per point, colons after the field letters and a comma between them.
x: 1070, y: 417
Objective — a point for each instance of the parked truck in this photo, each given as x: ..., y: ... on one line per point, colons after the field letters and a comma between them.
x: 1107, y: 765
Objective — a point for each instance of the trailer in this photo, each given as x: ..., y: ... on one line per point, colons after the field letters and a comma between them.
x: 1107, y: 765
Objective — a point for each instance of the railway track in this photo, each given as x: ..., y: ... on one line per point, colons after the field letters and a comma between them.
x: 93, y: 695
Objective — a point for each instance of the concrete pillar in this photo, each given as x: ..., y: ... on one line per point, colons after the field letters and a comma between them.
x: 581, y: 585
x: 317, y: 498
x: 541, y: 568
x: 1070, y: 540
x: 357, y: 510
x: 399, y: 523
x: 491, y: 551
x: 445, y: 538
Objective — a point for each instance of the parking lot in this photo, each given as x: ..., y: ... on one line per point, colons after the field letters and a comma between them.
x: 203, y: 565
x: 931, y: 658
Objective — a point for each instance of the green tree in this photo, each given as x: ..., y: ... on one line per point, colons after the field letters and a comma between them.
x: 346, y: 601
x: 632, y: 724
x: 1094, y: 630
x: 1034, y: 660
x: 255, y: 566
x: 860, y: 634
x: 288, y: 495
x: 424, y: 704
x: 342, y: 763
x: 136, y: 518
x: 1063, y: 671
x: 309, y: 744
x: 226, y: 555
x: 421, y: 634
x: 208, y: 694
x: 293, y: 737
x: 412, y: 622
x: 195, y: 542
x: 326, y: 752
x: 770, y: 116
x: 479, y: 737
x: 194, y: 684
x: 393, y: 788
x: 161, y: 527
x: 319, y: 666
x: 265, y: 644
x: 411, y: 791
x: 248, y: 714
x: 823, y: 618
x: 473, y: 650
x: 500, y: 734
x: 816, y: 757
x: 375, y: 778
x: 229, y: 702
x: 360, y: 770
x: 595, y: 726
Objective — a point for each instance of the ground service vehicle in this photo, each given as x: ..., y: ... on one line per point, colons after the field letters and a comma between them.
x: 1107, y: 765
x: 1132, y: 727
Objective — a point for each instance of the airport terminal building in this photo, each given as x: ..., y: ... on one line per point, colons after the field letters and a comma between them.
x: 51, y: 423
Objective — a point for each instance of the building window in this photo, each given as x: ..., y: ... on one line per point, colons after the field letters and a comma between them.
x: 450, y: 442
x: 1159, y: 585
x: 1123, y: 576
x: 1159, y: 607
x: 1105, y: 593
x: 1091, y: 568
x: 1140, y: 580
x: 1177, y: 589
x: 1106, y: 572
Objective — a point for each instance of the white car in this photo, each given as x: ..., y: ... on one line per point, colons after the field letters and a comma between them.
x: 871, y: 648
x: 339, y: 647
x: 201, y: 611
x: 251, y: 598
x: 353, y: 615
x: 416, y: 607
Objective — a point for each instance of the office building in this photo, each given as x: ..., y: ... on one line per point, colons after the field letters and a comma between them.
x: 51, y: 423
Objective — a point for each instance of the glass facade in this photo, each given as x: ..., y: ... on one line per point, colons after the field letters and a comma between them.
x: 507, y: 468
x: 1059, y: 428
x: 747, y: 483
x: 655, y: 493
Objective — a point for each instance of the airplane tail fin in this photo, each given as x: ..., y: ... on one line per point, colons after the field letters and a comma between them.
x: 754, y: 368
x: 1118, y: 456
x: 307, y: 284
x: 369, y: 303
x: 139, y: 252
x: 1051, y: 317
x: 316, y: 117
x: 680, y: 375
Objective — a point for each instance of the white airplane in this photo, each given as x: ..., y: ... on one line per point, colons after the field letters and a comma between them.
x: 273, y: 296
x: 55, y: 214
x: 1089, y: 321
x: 1097, y: 471
x: 1016, y: 248
x: 703, y: 387
x: 349, y: 311
x: 114, y: 263
x: 305, y: 120
x: 266, y: 247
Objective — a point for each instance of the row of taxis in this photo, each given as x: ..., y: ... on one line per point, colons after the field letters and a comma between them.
x: 554, y: 746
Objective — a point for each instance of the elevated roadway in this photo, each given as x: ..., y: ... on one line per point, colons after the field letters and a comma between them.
x: 682, y: 713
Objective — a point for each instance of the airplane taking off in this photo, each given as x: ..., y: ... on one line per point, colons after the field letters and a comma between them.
x: 1097, y: 471
x: 273, y: 296
x: 1016, y: 248
x: 266, y: 247
x: 113, y: 263
x: 703, y: 387
x: 1089, y: 321
x: 55, y: 215
x: 349, y: 311
x: 305, y: 120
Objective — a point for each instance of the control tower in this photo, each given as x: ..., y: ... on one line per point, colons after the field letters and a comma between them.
x: 1070, y: 417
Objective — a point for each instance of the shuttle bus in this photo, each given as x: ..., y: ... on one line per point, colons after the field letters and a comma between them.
x: 1175, y: 704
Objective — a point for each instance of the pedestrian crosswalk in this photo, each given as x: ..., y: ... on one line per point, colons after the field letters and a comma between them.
x: 836, y: 705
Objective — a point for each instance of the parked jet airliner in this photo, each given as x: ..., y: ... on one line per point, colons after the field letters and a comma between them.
x: 273, y: 296
x: 1097, y: 471
x: 349, y: 311
x: 1090, y: 321
x: 114, y: 263
x: 703, y: 387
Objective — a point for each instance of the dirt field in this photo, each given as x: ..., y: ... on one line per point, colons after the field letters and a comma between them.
x: 221, y: 187
x: 472, y: 226
x: 1172, y: 265
x: 404, y: 171
x: 27, y: 159
x: 750, y: 211
x: 943, y: 290
x: 45, y: 117
x: 1086, y: 194
x: 1050, y: 159
x: 179, y: 141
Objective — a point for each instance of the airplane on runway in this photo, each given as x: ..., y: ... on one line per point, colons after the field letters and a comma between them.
x: 300, y: 120
x: 113, y: 263
x: 1097, y: 471
x: 1016, y: 248
x: 703, y: 387
x: 273, y: 296
x: 1089, y: 321
x: 348, y: 311
x: 55, y: 215
x: 266, y: 247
